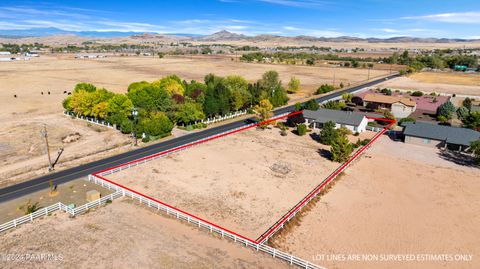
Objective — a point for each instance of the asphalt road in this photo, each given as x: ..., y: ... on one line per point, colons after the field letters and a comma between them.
x: 40, y: 183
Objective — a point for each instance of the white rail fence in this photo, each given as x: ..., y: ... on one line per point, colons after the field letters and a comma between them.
x: 204, y: 224
x: 46, y: 211
x: 225, y: 117
x: 90, y: 120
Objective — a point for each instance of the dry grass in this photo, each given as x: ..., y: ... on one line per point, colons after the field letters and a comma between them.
x: 448, y: 78
x: 279, y: 238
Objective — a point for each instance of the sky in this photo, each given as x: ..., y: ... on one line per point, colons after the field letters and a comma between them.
x: 320, y: 18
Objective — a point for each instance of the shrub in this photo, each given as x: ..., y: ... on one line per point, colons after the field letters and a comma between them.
x: 301, y: 129
x: 311, y: 105
x: 407, y: 120
x: 417, y: 93
x: 324, y: 88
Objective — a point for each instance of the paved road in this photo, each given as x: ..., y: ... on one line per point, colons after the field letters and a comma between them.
x: 63, y: 176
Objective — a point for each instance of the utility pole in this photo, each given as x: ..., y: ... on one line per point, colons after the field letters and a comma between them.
x: 44, y: 133
x: 334, y: 76
x: 368, y: 78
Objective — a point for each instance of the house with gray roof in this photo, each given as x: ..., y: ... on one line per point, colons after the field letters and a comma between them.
x: 428, y: 134
x: 354, y: 121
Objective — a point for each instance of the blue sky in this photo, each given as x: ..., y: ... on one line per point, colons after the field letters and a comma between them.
x: 329, y: 18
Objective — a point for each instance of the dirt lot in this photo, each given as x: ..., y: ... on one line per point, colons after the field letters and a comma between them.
x: 22, y: 151
x: 123, y: 235
x: 243, y: 182
x: 393, y: 202
x: 466, y: 84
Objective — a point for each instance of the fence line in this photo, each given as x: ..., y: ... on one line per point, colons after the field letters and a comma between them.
x: 224, y: 117
x: 200, y: 223
x: 91, y: 120
x: 59, y: 206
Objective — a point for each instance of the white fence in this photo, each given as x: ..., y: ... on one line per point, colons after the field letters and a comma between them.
x: 176, y: 213
x: 225, y: 117
x: 59, y: 206
x: 90, y: 120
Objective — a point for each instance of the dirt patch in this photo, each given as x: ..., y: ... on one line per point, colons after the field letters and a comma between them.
x: 447, y: 78
x: 389, y: 203
x: 267, y: 173
x: 124, y: 235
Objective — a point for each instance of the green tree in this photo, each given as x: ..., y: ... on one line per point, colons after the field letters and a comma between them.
x: 217, y: 96
x: 472, y: 121
x: 189, y: 112
x: 155, y: 124
x: 328, y: 134
x: 312, y: 105
x: 301, y: 129
x: 85, y: 87
x: 446, y: 110
x: 467, y: 102
x: 238, y: 87
x: 171, y: 84
x: 462, y: 113
x: 475, y: 149
x: 293, y: 85
x: 341, y: 149
x: 119, y: 104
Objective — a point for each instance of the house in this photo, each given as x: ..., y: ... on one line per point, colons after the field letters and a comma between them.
x: 354, y: 121
x: 400, y: 106
x: 5, y: 53
x: 440, y: 136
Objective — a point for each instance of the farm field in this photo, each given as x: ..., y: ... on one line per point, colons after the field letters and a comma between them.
x: 393, y: 202
x: 243, y: 182
x: 452, y: 83
x: 22, y: 151
x: 125, y: 235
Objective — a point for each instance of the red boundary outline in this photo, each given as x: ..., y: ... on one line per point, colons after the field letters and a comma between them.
x: 268, y: 232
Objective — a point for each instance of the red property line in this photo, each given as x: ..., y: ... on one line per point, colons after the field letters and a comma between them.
x: 326, y: 181
x: 271, y: 230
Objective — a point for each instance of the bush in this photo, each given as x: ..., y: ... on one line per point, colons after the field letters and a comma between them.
x: 325, y: 88
x: 301, y: 129
x: 386, y: 91
x: 446, y: 110
x: 407, y: 120
x: 417, y: 93
x: 311, y: 105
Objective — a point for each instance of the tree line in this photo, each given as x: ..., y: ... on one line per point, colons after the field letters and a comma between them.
x: 170, y: 100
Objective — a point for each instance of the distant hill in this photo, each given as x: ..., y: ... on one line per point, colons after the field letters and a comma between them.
x: 62, y: 36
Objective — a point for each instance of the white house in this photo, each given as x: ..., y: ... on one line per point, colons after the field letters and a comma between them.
x: 354, y: 121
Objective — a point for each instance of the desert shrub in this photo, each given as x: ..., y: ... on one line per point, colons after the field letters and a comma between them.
x: 301, y: 129
x: 407, y: 120
x: 324, y: 88
x: 417, y: 93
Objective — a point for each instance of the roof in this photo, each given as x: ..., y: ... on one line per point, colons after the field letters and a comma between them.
x: 387, y: 99
x: 323, y: 115
x: 451, y: 135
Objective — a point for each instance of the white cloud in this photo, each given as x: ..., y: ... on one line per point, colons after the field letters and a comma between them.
x: 472, y: 17
x: 296, y: 3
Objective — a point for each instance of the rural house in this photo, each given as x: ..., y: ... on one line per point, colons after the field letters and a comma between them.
x: 400, y: 107
x: 428, y: 134
x: 354, y: 121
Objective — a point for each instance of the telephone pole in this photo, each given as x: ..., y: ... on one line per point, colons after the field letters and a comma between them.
x: 44, y: 133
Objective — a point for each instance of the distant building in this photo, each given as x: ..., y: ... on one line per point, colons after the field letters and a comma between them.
x: 5, y: 53
x: 354, y: 121
x: 433, y: 135
x: 400, y: 107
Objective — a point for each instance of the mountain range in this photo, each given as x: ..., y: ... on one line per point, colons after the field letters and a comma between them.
x: 218, y: 36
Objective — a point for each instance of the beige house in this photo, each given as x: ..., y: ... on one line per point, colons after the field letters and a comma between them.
x: 400, y: 107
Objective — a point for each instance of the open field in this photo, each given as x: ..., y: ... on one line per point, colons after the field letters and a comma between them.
x: 453, y: 83
x: 22, y: 150
x: 125, y: 235
x: 243, y: 182
x: 393, y: 202
x: 448, y: 78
